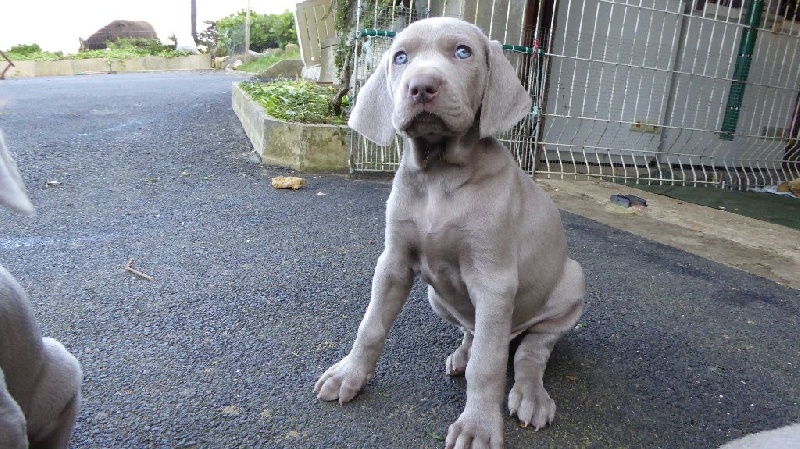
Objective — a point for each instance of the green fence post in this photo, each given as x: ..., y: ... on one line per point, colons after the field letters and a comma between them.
x: 742, y: 70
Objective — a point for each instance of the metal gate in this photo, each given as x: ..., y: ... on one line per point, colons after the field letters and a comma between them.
x: 643, y: 91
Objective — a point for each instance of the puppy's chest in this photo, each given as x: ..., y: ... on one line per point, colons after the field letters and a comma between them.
x: 437, y: 258
x: 438, y: 245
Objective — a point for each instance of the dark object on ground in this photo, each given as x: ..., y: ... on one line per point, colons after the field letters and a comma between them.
x: 628, y: 200
x: 116, y: 30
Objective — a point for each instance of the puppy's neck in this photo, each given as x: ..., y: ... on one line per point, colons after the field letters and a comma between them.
x: 427, y: 153
x: 432, y: 152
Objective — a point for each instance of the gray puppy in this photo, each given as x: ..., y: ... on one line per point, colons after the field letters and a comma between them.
x: 462, y: 215
x: 39, y: 379
x: 787, y: 437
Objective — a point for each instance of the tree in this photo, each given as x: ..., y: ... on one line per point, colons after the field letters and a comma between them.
x: 266, y: 31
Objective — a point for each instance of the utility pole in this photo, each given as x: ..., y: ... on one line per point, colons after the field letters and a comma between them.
x: 247, y: 33
x: 194, y: 21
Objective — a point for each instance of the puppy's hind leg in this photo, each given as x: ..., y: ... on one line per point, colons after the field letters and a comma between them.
x: 457, y: 361
x: 528, y: 398
x: 12, y: 421
x: 57, y: 398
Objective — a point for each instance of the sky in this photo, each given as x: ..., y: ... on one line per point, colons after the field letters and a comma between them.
x: 56, y: 25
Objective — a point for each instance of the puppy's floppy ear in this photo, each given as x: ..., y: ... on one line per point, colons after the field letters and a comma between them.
x: 505, y: 100
x: 372, y: 114
x: 12, y: 190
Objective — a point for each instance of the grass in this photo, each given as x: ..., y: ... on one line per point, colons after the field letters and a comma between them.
x: 296, y: 101
x: 261, y: 64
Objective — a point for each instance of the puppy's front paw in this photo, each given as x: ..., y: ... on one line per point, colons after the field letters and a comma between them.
x: 476, y: 429
x: 342, y: 381
x: 531, y: 404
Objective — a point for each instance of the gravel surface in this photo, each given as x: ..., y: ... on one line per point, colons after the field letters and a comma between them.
x: 258, y: 290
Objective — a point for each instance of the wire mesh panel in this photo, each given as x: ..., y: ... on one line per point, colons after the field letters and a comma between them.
x: 376, y: 25
x: 666, y: 91
x: 643, y: 91
x: 502, y: 20
x: 522, y: 139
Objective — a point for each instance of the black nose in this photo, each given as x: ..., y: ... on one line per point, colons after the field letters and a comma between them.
x: 423, y: 88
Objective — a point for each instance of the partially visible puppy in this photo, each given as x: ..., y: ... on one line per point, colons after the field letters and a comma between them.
x: 783, y: 438
x: 39, y: 379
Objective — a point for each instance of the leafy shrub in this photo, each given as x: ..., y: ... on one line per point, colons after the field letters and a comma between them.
x: 24, y: 49
x: 145, y: 46
x: 31, y: 52
x: 227, y: 35
x: 296, y: 101
x: 121, y: 49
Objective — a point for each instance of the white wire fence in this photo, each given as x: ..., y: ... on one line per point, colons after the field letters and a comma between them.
x: 642, y: 91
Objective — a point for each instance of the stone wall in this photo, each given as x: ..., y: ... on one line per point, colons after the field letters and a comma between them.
x: 27, y: 69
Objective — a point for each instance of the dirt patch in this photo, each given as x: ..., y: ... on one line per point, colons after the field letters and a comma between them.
x: 764, y: 249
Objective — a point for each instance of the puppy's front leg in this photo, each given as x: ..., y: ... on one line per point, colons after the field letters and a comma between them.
x: 390, y: 288
x: 481, y: 423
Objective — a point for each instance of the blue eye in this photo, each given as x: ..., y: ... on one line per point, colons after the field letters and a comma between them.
x: 400, y: 58
x: 463, y: 52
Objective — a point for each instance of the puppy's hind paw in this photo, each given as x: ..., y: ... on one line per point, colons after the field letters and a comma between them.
x: 533, y: 406
x: 476, y: 430
x: 456, y: 363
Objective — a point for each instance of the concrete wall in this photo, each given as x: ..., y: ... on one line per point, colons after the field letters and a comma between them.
x: 309, y: 148
x: 27, y: 69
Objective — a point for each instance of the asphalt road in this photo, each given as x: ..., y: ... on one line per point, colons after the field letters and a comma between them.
x: 257, y: 291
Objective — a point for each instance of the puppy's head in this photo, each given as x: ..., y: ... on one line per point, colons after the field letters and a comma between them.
x: 432, y: 82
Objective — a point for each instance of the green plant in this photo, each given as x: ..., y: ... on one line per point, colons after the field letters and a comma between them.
x: 296, y: 101
x: 127, y: 51
x: 209, y: 37
x: 278, y: 29
x: 266, y: 31
x: 141, y: 46
x: 25, y: 49
x: 121, y: 49
x: 31, y: 52
x: 343, y: 23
